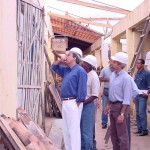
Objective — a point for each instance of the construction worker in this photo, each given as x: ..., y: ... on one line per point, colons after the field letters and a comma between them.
x: 88, y: 113
x: 73, y: 93
x: 105, y: 77
x: 120, y: 94
x: 142, y: 80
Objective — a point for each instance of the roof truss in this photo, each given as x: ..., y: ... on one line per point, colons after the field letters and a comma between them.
x: 102, y: 7
x: 80, y: 20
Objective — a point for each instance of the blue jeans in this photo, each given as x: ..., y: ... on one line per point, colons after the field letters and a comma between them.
x: 141, y: 113
x: 87, y: 126
x: 104, y: 104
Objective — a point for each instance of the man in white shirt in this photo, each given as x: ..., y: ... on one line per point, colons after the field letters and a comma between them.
x: 88, y: 113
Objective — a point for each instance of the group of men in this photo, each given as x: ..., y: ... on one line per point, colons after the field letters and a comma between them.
x: 80, y: 88
x: 119, y: 90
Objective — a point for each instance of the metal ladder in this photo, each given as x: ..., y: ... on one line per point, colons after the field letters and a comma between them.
x: 140, y: 46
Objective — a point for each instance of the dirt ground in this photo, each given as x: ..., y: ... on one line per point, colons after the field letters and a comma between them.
x: 137, y: 142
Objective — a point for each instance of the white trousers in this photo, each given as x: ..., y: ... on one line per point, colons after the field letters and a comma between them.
x: 71, y: 114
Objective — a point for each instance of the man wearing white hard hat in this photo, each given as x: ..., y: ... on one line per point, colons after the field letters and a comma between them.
x: 120, y: 94
x: 88, y: 113
x: 73, y: 93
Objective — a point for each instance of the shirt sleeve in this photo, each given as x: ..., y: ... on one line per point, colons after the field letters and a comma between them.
x: 59, y: 69
x: 102, y: 73
x: 148, y: 79
x: 127, y: 87
x: 135, y: 90
x: 95, y: 87
x: 82, y: 86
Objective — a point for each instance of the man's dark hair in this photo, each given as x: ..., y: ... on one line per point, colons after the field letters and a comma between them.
x: 142, y: 61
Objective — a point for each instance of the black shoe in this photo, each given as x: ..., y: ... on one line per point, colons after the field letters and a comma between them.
x: 104, y: 126
x: 143, y: 134
x: 138, y: 132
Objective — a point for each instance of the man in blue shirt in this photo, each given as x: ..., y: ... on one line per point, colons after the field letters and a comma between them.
x: 142, y: 80
x: 120, y: 94
x: 73, y: 93
x: 105, y: 77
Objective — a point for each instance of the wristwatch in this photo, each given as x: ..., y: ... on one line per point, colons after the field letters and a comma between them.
x: 122, y: 114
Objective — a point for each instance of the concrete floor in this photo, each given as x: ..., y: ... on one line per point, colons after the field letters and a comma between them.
x: 137, y: 142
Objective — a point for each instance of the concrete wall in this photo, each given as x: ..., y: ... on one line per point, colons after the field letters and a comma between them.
x: 8, y: 58
x: 132, y: 19
x: 124, y: 29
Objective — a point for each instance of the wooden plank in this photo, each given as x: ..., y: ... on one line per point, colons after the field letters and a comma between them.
x: 56, y: 96
x: 33, y: 4
x: 102, y: 19
x: 52, y: 72
x: 102, y: 7
x: 5, y: 140
x: 15, y: 141
x: 93, y: 47
x: 80, y: 20
x: 29, y: 87
x: 29, y: 47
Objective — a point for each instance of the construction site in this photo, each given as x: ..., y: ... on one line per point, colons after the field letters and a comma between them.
x: 33, y: 36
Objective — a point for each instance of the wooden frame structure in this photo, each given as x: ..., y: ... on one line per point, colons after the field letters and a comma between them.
x: 30, y: 27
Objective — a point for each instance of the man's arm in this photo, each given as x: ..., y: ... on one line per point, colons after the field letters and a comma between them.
x: 61, y: 60
x: 90, y: 99
x: 104, y: 79
x: 102, y: 76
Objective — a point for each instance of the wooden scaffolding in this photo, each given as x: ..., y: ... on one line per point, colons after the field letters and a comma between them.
x: 30, y: 27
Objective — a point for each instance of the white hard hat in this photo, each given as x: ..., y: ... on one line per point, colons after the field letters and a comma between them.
x: 90, y: 59
x: 76, y: 50
x: 120, y: 57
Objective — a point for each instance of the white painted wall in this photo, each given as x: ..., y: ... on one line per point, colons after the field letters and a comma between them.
x: 105, y: 48
x: 8, y: 58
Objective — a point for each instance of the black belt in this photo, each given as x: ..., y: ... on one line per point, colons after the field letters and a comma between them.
x: 105, y: 88
x: 69, y: 98
x: 116, y: 102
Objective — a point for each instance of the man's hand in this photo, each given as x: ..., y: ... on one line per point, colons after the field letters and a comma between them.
x: 120, y: 119
x: 78, y: 103
x: 145, y: 95
x: 106, y: 110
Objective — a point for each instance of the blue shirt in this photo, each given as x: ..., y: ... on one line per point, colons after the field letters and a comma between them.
x: 142, y: 80
x: 74, y: 82
x: 120, y: 88
x: 106, y: 73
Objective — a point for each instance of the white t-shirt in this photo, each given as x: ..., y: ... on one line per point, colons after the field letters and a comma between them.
x: 93, y: 84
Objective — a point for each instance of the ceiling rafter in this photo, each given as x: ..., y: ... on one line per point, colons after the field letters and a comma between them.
x: 80, y: 20
x: 102, y: 19
x: 102, y: 7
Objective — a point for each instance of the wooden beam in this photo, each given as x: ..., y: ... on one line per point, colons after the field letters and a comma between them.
x: 107, y: 8
x: 93, y: 47
x: 80, y: 20
x: 102, y: 19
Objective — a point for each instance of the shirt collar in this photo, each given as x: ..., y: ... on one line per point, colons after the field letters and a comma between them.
x: 140, y: 71
x: 119, y: 73
x: 73, y: 67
